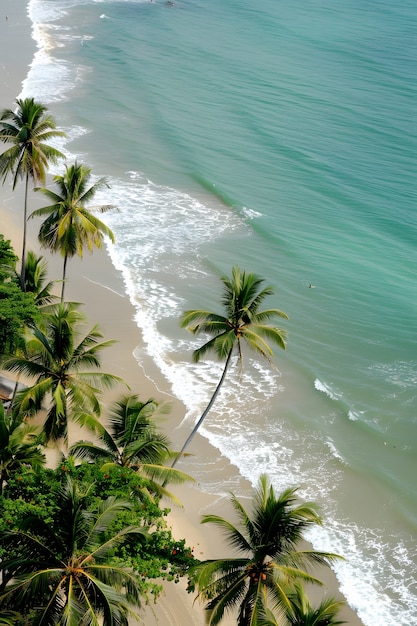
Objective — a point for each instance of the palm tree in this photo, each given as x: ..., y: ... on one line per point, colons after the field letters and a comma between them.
x: 243, y: 294
x: 70, y: 225
x: 301, y: 613
x: 55, y: 354
x: 270, y: 562
x: 18, y: 446
x: 132, y: 441
x: 63, y: 572
x: 28, y: 129
x: 36, y: 279
x: 35, y: 283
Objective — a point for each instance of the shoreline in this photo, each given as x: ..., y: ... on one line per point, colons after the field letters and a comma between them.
x: 93, y: 281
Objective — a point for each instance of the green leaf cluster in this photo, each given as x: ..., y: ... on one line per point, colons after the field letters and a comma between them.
x: 8, y: 259
x: 17, y: 309
x: 158, y: 556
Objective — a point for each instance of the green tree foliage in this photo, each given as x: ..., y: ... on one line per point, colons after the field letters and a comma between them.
x: 10, y: 618
x: 28, y: 129
x: 36, y: 281
x: 133, y: 440
x: 8, y: 259
x: 242, y: 321
x: 269, y: 564
x: 152, y: 556
x: 67, y: 573
x: 17, y: 309
x: 70, y: 226
x: 300, y: 612
x: 56, y: 353
x: 18, y: 446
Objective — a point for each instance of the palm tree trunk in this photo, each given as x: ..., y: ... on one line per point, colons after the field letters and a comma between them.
x: 13, y: 398
x: 207, y: 409
x: 25, y: 220
x: 64, y: 272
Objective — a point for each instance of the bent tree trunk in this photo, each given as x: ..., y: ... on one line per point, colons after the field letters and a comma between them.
x: 206, y: 410
x: 25, y: 221
x: 64, y: 276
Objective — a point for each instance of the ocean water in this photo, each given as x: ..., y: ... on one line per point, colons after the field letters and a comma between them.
x: 280, y: 137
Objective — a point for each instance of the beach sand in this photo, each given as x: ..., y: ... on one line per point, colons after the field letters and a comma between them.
x: 96, y: 283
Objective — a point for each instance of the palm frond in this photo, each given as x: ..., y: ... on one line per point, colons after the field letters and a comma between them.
x: 232, y: 533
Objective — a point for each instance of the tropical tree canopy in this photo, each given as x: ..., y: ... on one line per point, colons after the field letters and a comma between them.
x: 17, y: 309
x: 243, y: 295
x: 300, y: 612
x: 8, y: 259
x: 18, y: 446
x: 70, y: 225
x: 29, y: 129
x: 36, y: 280
x: 35, y: 494
x: 132, y: 440
x: 64, y: 572
x: 56, y: 353
x: 242, y: 321
x: 269, y: 562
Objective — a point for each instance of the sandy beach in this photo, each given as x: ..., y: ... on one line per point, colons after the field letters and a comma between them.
x: 95, y: 282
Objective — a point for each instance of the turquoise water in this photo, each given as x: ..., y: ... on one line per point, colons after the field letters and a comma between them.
x: 279, y: 136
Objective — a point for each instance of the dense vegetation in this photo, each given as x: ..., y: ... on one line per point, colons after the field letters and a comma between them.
x: 87, y: 542
x: 17, y: 308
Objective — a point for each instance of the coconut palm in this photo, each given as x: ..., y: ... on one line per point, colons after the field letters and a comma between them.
x: 55, y: 356
x: 36, y: 279
x: 70, y: 225
x: 132, y: 440
x: 28, y: 128
x: 35, y: 283
x: 18, y: 446
x: 267, y: 539
x: 301, y: 613
x: 243, y: 294
x: 64, y: 573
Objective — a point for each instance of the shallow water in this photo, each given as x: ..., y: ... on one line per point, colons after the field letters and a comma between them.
x: 279, y: 137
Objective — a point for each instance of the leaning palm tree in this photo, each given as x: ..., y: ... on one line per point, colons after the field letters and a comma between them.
x: 19, y: 446
x: 55, y: 355
x: 132, y: 440
x: 270, y: 563
x: 28, y: 128
x: 243, y: 294
x: 64, y: 573
x: 70, y: 225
